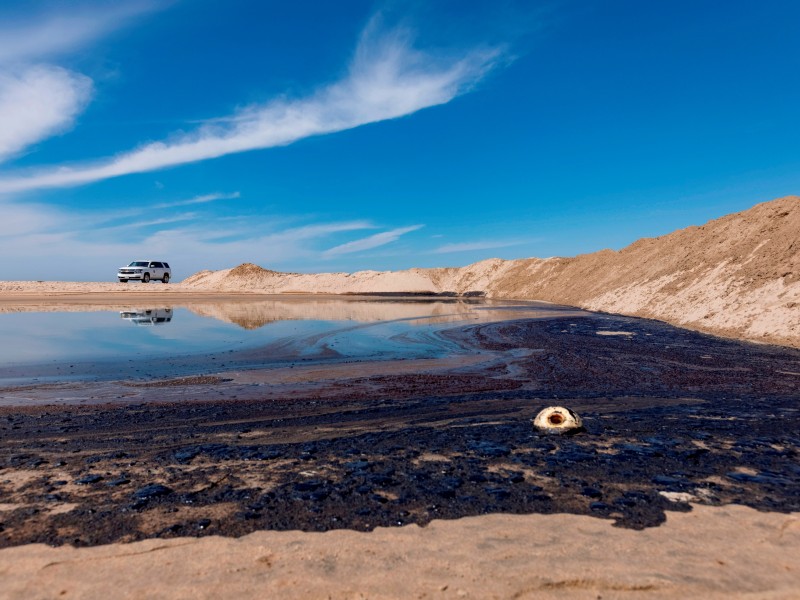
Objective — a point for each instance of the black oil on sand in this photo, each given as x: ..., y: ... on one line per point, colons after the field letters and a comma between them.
x: 671, y: 416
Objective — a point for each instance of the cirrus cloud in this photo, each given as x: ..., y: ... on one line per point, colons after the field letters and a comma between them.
x: 64, y: 27
x: 471, y: 246
x: 387, y: 78
x: 372, y: 241
x: 37, y: 103
x: 40, y: 100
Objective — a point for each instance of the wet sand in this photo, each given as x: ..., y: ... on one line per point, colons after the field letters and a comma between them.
x: 681, y: 427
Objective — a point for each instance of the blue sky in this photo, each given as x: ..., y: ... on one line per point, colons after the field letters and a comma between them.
x: 341, y: 136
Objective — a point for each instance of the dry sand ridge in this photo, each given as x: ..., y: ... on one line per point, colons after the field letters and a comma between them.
x: 736, y: 276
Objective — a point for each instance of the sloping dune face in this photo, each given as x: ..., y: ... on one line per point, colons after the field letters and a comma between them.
x: 738, y: 276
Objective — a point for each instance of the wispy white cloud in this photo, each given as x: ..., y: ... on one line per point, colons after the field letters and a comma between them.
x: 182, y: 218
x: 388, y: 78
x: 23, y: 218
x: 37, y: 103
x: 63, y: 29
x: 318, y: 230
x: 470, y: 246
x: 204, y: 199
x: 37, y: 240
x: 19, y: 220
x: 373, y: 241
x: 40, y: 100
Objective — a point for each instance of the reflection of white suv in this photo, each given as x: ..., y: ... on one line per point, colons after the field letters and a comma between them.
x: 145, y: 270
x: 149, y: 316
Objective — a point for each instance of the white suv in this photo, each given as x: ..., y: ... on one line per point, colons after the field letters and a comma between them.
x: 145, y: 270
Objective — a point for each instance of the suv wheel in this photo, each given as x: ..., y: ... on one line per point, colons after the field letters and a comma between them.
x: 146, y: 278
x: 166, y: 278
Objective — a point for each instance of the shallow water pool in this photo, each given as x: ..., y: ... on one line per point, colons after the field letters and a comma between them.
x: 65, y: 342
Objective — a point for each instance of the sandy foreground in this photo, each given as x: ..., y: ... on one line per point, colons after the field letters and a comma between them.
x: 729, y: 552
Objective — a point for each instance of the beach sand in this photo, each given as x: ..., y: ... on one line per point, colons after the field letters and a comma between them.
x: 710, y: 552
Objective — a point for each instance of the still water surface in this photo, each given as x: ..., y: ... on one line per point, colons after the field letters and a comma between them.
x: 63, y: 342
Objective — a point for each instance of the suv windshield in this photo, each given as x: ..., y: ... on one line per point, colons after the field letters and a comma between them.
x: 138, y: 263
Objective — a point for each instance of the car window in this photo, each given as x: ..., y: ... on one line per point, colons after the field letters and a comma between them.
x: 166, y: 265
x: 157, y: 265
x: 138, y: 263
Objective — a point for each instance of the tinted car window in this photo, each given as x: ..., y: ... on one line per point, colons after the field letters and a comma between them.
x: 166, y: 265
x: 157, y: 265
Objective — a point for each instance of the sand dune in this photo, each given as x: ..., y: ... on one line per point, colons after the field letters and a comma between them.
x: 736, y: 276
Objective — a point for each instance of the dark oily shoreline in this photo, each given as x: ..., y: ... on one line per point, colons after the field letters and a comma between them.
x: 672, y: 417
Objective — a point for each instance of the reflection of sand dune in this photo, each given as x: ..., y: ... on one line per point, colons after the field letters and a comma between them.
x: 47, y: 307
x: 255, y: 314
x: 250, y: 313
